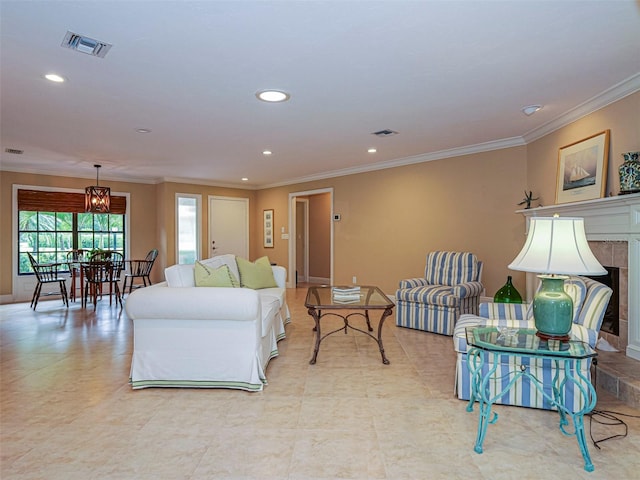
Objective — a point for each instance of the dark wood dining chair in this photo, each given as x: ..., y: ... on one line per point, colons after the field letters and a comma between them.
x: 140, y: 269
x: 48, y: 273
x: 74, y: 257
x: 104, y: 267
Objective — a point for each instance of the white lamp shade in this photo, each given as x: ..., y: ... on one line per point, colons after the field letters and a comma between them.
x: 557, y: 245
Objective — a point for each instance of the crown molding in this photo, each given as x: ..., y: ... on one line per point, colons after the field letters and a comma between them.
x: 55, y: 171
x: 196, y: 181
x: 609, y: 96
x: 400, y: 162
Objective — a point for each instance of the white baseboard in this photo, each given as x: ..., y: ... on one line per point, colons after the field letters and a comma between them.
x: 323, y: 280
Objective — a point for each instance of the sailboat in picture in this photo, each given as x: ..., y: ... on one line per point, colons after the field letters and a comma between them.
x: 578, y: 173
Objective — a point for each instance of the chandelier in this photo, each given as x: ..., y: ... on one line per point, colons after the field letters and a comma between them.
x: 97, y: 199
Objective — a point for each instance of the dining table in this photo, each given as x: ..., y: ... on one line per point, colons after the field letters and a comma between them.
x: 77, y: 270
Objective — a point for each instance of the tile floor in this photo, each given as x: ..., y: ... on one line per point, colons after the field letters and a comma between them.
x: 67, y: 412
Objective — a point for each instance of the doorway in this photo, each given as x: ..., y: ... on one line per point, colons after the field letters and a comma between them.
x: 304, y: 220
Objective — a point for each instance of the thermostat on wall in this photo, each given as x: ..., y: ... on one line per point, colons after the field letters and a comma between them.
x: 337, y: 217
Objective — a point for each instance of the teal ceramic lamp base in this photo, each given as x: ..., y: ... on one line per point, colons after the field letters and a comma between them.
x: 552, y: 308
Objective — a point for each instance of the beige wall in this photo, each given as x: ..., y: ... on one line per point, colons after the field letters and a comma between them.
x: 621, y: 117
x: 272, y: 199
x: 390, y: 218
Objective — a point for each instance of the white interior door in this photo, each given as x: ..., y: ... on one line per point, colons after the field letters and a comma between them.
x: 228, y: 226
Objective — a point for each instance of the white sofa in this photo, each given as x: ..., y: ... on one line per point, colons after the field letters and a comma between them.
x: 206, y: 337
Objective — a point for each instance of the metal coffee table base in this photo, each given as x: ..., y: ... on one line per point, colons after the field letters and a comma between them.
x: 317, y: 315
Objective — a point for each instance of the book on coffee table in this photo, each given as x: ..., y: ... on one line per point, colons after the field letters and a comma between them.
x: 346, y: 294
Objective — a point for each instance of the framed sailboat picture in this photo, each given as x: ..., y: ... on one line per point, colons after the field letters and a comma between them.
x: 582, y: 169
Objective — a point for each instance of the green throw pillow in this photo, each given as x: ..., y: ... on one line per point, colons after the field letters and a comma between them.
x: 214, y: 277
x: 257, y: 274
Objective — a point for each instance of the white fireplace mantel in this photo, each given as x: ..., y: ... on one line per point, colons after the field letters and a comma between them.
x: 609, y: 219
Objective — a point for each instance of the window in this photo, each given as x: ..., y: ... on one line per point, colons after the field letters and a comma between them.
x: 48, y: 232
x: 188, y: 227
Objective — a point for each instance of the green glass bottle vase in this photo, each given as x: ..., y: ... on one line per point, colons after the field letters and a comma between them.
x: 508, y: 293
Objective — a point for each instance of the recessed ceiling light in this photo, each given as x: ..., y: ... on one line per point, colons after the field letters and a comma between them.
x: 531, y: 109
x: 54, y: 78
x: 143, y: 130
x: 372, y: 150
x: 273, y: 96
x: 267, y: 152
x: 245, y: 179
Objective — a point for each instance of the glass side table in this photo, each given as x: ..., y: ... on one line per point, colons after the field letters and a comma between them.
x: 485, y: 347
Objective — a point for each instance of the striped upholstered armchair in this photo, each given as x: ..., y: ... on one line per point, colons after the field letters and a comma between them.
x: 450, y: 287
x: 590, y: 300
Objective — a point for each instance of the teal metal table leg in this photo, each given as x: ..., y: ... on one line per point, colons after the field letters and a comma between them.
x: 480, y: 392
x: 588, y: 392
x: 473, y: 357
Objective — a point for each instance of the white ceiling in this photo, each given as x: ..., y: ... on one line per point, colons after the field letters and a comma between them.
x: 450, y: 76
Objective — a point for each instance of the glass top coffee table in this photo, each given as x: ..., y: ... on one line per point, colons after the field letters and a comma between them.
x: 325, y: 300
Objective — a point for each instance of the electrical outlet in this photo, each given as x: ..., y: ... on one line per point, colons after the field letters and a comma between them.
x: 355, y: 280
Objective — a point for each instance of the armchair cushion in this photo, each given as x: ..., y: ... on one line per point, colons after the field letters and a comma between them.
x: 450, y: 268
x: 440, y: 294
x: 516, y: 311
x: 576, y: 288
x: 412, y: 282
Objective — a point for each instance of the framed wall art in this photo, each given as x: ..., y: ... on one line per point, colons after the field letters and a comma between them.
x: 268, y: 228
x: 582, y: 169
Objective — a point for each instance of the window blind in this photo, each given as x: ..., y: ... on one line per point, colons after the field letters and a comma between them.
x: 38, y: 200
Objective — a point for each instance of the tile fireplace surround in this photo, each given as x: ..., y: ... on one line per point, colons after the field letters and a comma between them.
x: 612, y: 225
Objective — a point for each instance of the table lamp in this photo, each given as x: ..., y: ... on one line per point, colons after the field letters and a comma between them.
x: 555, y: 247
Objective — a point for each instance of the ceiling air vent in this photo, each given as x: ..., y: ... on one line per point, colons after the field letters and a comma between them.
x: 86, y: 45
x: 384, y: 133
x: 15, y: 151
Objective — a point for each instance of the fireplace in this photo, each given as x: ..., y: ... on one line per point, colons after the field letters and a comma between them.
x: 612, y: 225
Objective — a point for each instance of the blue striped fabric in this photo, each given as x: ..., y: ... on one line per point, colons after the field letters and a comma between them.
x: 412, y: 282
x: 451, y: 268
x: 589, y: 314
x: 517, y: 311
x: 595, y: 306
x: 451, y: 287
x: 523, y: 393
